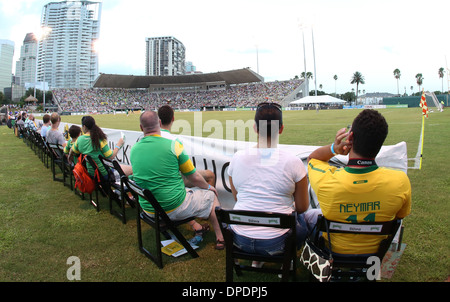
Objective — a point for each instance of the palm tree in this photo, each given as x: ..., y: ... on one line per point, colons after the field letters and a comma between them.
x: 335, y: 79
x: 397, y: 75
x: 419, y: 80
x: 358, y: 79
x: 441, y: 76
x: 309, y: 75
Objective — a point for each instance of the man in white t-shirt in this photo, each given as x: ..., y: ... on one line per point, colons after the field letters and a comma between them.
x: 266, y: 178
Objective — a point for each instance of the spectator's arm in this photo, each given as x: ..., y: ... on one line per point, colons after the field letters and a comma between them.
x: 198, y: 181
x: 301, y: 195
x: 233, y: 189
x: 340, y: 146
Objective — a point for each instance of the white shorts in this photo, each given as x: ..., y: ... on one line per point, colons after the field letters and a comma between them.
x: 198, y: 203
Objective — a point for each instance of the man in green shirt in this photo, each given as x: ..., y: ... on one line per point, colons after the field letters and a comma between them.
x: 167, y: 117
x: 157, y: 162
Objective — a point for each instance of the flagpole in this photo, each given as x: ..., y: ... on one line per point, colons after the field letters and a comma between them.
x: 423, y: 105
x: 421, y: 144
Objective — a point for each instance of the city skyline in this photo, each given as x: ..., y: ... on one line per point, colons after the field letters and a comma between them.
x: 374, y: 38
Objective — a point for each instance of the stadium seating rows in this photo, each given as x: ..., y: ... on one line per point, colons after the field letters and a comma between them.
x: 109, y: 100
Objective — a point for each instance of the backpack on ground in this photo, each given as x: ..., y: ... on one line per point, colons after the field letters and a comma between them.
x: 83, y: 181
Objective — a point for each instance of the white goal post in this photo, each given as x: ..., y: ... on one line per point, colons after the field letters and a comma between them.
x: 436, y: 102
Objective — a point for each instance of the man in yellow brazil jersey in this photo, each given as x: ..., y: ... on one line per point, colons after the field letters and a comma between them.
x: 361, y: 191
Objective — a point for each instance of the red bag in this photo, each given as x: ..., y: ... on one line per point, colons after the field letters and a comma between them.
x: 83, y: 181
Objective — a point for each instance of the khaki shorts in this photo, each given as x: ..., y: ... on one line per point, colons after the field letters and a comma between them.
x: 198, y: 203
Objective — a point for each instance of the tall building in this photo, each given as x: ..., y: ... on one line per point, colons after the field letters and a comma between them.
x: 66, y: 56
x: 190, y: 67
x: 165, y: 56
x: 6, y: 63
x: 26, y: 66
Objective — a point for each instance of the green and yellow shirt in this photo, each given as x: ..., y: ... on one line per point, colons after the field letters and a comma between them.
x: 67, y: 150
x: 84, y: 145
x: 157, y: 163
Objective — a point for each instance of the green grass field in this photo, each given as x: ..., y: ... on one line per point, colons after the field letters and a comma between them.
x: 301, y: 127
x: 43, y: 223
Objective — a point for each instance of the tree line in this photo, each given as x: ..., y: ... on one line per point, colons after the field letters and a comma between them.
x: 357, y: 78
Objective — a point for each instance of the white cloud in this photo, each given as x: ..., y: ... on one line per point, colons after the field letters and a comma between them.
x: 14, y: 7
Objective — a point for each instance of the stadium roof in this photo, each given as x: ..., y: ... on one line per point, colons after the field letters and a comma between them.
x: 231, y: 77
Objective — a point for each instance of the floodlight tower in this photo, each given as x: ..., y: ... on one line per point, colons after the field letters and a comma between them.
x: 302, y: 27
x: 314, y: 56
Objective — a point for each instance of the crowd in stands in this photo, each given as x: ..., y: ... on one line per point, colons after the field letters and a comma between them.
x: 110, y: 100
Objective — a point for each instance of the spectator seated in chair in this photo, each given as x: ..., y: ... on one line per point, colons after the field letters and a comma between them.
x: 54, y: 136
x: 74, y: 133
x: 361, y: 191
x: 157, y: 162
x: 94, y: 143
x: 269, y: 179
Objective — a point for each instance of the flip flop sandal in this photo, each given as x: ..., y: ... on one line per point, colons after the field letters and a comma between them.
x: 220, y: 245
x: 203, y: 231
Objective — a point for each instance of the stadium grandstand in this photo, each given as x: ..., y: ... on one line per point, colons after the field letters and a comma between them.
x: 212, y: 91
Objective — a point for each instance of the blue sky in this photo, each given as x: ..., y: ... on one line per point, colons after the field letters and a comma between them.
x: 372, y: 37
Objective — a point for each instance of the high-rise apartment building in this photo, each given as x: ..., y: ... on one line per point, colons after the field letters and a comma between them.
x: 165, y: 56
x: 66, y: 56
x: 26, y: 65
x: 6, y: 63
x: 190, y: 68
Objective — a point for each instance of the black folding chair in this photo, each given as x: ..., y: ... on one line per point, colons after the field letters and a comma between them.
x: 32, y: 140
x: 98, y: 183
x: 262, y: 219
x: 20, y: 130
x: 23, y: 134
x: 115, y: 189
x: 161, y: 223
x: 39, y: 145
x: 59, y: 159
x: 354, y: 267
x: 46, y: 152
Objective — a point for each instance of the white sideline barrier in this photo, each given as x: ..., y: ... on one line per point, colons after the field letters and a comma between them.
x: 215, y: 155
